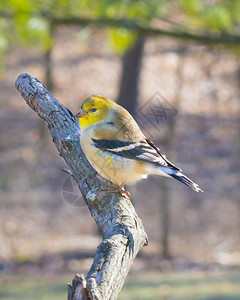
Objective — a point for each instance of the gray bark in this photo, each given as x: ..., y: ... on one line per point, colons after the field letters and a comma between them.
x: 123, y: 232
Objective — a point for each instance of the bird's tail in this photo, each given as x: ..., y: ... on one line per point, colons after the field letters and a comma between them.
x: 185, y: 180
x: 175, y: 173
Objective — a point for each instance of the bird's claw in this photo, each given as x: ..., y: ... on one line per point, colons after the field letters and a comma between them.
x: 117, y: 189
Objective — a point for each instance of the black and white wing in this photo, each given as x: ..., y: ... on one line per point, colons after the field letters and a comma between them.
x: 147, y: 152
x: 142, y: 151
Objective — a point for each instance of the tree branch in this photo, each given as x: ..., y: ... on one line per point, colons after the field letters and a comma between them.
x: 123, y: 232
x: 207, y: 37
x: 134, y: 25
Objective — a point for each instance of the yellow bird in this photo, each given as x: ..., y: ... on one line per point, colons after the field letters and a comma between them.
x: 116, y: 147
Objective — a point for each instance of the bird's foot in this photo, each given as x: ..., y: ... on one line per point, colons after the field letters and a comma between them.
x: 126, y: 193
x: 117, y: 189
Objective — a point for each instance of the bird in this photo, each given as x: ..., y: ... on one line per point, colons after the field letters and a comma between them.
x: 117, y: 148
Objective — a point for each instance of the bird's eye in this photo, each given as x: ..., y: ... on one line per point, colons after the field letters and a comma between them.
x: 93, y: 109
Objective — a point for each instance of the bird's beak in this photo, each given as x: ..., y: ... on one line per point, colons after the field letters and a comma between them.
x: 80, y: 114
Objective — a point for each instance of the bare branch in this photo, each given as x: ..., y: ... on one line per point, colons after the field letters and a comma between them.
x: 140, y: 28
x: 123, y: 232
x: 186, y: 34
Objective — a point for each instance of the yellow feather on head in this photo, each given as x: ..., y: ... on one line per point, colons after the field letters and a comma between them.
x: 95, y: 109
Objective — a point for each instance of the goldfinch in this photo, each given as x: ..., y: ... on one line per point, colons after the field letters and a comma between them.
x: 116, y: 147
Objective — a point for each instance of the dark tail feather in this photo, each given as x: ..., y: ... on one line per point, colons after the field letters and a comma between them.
x: 185, y: 180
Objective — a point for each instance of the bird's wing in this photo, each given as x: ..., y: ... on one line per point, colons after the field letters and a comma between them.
x: 143, y: 150
x: 119, y: 126
x: 171, y: 165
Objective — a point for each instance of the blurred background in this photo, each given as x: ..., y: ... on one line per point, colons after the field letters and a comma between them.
x: 175, y: 66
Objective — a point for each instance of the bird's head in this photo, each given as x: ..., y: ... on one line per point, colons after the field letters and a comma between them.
x: 94, y: 110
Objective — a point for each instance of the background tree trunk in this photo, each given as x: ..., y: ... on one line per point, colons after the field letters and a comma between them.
x: 165, y: 183
x: 128, y: 91
x: 48, y: 82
